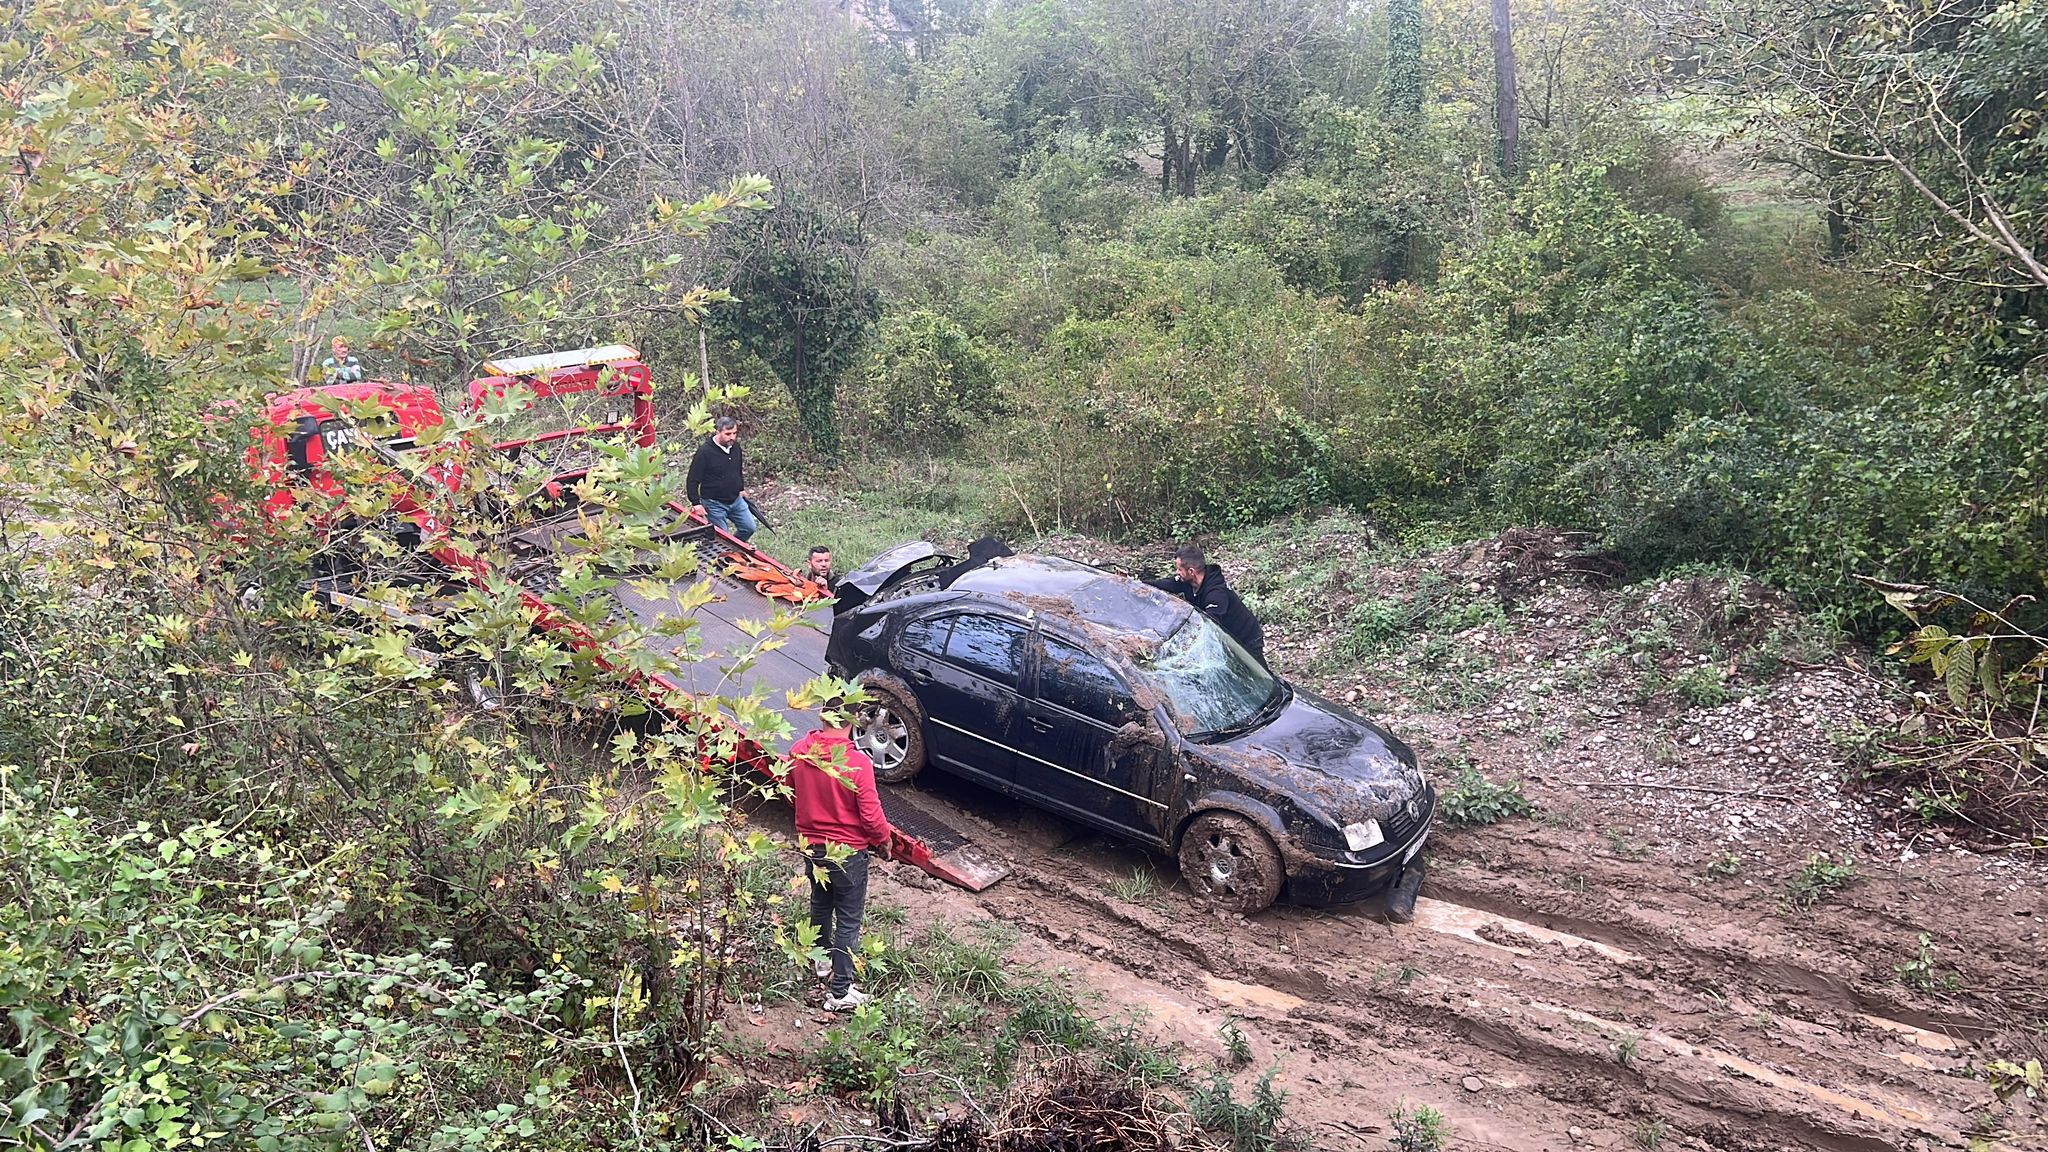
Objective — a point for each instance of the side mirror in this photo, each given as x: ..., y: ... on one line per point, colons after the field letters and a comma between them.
x: 1139, y: 734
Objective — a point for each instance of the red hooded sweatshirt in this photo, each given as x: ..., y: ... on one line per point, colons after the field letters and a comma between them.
x: 834, y: 788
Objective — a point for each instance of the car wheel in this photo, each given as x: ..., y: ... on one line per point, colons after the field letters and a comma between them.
x: 890, y: 730
x: 1231, y: 862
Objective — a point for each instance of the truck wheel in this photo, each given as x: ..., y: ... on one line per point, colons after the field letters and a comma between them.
x: 890, y: 729
x: 1231, y: 862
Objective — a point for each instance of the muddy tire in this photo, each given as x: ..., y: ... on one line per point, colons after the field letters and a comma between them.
x: 890, y: 729
x: 1231, y: 862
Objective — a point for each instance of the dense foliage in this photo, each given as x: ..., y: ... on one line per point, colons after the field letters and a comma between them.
x: 1766, y: 286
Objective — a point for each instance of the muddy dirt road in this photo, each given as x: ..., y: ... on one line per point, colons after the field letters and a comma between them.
x: 1549, y: 994
x: 1634, y: 966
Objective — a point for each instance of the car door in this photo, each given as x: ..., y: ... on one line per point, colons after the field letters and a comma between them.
x: 1070, y: 754
x: 967, y: 669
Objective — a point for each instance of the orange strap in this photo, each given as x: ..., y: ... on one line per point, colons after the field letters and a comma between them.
x: 776, y: 584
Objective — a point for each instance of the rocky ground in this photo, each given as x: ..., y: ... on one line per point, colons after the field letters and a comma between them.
x: 1706, y: 934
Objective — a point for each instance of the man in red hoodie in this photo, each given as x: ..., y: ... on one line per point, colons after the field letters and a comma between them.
x: 833, y: 785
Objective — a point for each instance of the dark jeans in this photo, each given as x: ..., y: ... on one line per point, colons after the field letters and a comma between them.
x: 839, y: 898
x: 736, y: 517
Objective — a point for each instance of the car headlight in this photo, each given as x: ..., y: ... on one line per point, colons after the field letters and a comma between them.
x: 1362, y: 835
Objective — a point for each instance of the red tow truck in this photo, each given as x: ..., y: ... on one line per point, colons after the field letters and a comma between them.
x: 550, y: 413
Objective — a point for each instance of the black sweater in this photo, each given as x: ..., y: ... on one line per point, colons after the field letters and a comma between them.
x: 1216, y: 599
x: 715, y: 473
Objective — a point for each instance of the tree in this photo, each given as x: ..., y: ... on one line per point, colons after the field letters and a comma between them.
x: 473, y: 186
x: 1506, y: 115
x: 1218, y: 80
x: 1401, y: 85
x: 1939, y: 103
x: 799, y: 303
x: 346, y: 883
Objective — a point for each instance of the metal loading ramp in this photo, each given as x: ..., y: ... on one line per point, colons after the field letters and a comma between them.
x: 936, y: 846
x: 924, y: 837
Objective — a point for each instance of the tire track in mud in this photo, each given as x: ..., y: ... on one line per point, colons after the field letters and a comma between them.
x: 1840, y: 959
x: 1552, y: 999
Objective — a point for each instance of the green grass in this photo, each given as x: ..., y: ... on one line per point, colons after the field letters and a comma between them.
x: 944, y: 503
x: 1237, y: 1046
x: 1138, y: 886
x: 1725, y: 867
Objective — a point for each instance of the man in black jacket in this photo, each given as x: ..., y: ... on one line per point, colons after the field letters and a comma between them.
x: 1200, y: 583
x: 717, y: 484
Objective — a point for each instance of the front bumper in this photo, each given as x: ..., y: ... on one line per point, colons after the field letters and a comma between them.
x: 1319, y: 881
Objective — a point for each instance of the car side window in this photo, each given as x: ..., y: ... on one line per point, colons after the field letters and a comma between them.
x: 1079, y: 682
x: 990, y: 646
x: 926, y: 637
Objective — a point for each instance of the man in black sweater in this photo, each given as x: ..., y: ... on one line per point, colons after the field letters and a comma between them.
x: 717, y: 484
x: 1200, y: 583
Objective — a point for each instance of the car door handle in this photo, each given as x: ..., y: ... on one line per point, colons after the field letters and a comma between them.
x: 918, y: 676
x: 1039, y: 724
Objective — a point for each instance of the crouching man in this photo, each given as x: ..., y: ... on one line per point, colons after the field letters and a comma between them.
x: 833, y: 786
x: 1201, y: 583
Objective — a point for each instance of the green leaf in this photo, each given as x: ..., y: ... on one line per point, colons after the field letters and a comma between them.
x: 1961, y: 673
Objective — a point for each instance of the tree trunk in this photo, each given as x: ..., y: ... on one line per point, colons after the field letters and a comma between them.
x: 1166, y: 155
x: 1506, y: 114
x: 1838, y: 225
x: 814, y: 396
x: 1177, y: 164
x: 1401, y: 87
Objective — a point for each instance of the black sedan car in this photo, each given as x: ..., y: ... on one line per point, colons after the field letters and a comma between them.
x: 1117, y: 705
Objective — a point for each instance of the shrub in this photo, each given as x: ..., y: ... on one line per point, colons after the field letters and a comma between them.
x: 928, y: 383
x: 1247, y: 1126
x: 1702, y: 686
x: 1820, y: 878
x: 1471, y: 800
x: 1170, y: 399
x: 869, y: 1052
x: 268, y: 1025
x: 1419, y: 1129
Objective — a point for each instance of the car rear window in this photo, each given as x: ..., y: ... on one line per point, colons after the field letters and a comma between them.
x: 1077, y: 681
x: 989, y: 645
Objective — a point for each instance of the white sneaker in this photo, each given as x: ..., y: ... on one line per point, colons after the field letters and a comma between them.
x: 854, y: 998
x: 822, y: 969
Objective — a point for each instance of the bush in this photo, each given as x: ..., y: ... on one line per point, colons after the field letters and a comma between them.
x: 1170, y: 399
x: 1820, y: 878
x: 1702, y: 686
x: 1419, y: 1129
x: 927, y: 385
x: 1246, y: 1126
x: 167, y: 981
x: 1471, y: 800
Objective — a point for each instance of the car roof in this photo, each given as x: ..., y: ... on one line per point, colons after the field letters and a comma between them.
x: 1086, y: 599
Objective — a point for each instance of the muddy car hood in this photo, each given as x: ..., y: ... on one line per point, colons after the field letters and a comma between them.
x: 1325, y: 756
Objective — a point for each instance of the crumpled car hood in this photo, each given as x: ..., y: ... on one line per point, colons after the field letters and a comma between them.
x: 1326, y: 757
